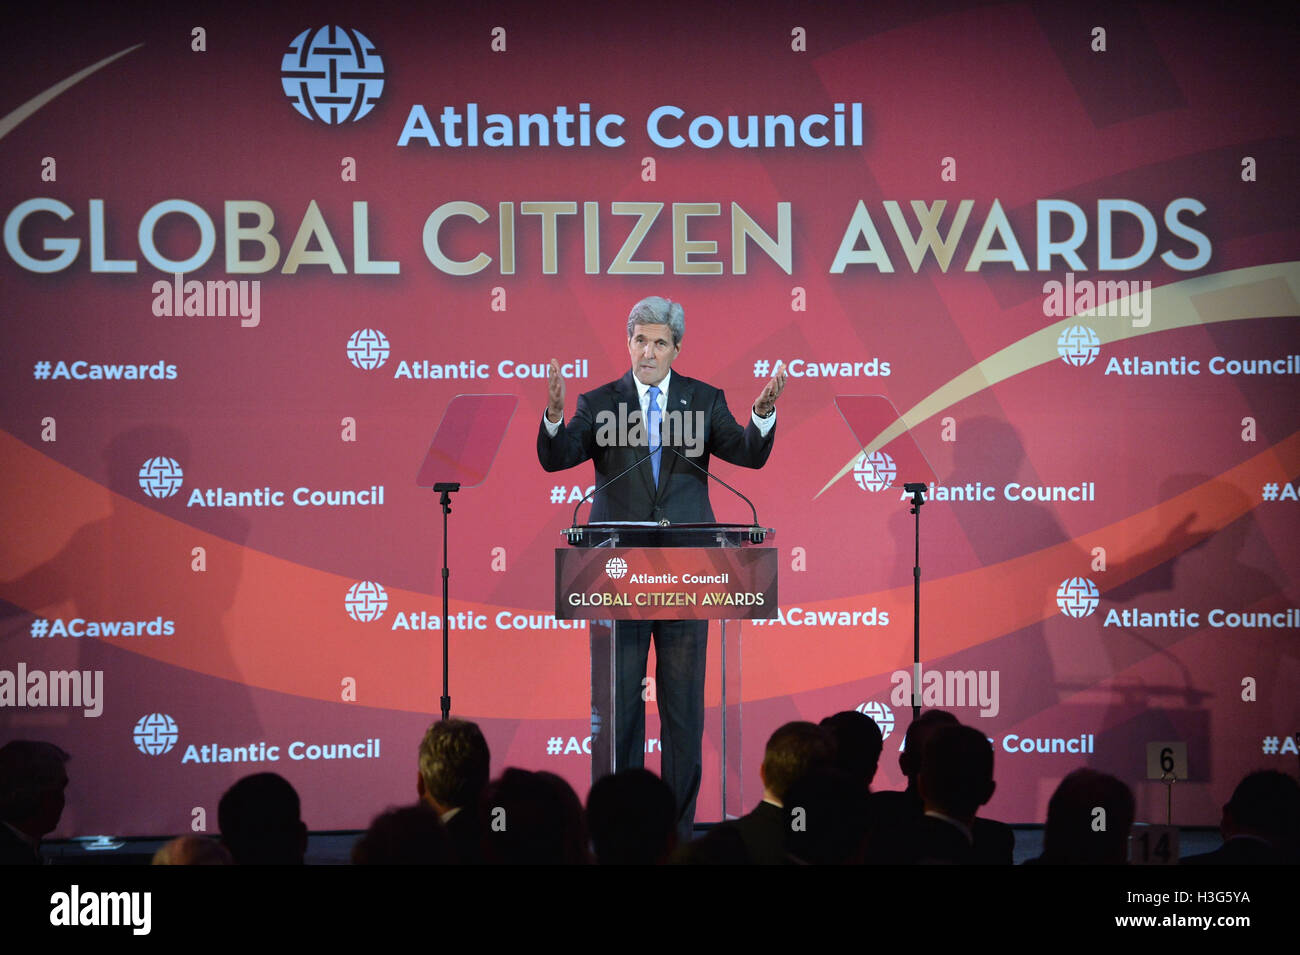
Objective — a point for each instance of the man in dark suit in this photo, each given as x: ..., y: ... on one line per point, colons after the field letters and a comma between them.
x: 32, y: 784
x: 1260, y: 824
x: 792, y: 752
x: 897, y: 817
x: 664, y: 487
x: 454, y: 767
x: 1071, y: 836
x: 260, y: 817
x: 956, y: 778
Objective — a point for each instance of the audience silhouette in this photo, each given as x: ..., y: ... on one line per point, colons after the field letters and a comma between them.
x: 900, y: 833
x: 1260, y: 825
x: 632, y: 819
x: 412, y: 835
x: 261, y: 822
x: 1076, y: 833
x: 454, y: 768
x: 858, y: 745
x: 817, y: 809
x: 828, y: 818
x: 792, y: 752
x: 532, y: 818
x: 32, y: 784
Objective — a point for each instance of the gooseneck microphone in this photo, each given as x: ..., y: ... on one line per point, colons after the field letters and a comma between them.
x: 756, y: 533
x: 573, y: 531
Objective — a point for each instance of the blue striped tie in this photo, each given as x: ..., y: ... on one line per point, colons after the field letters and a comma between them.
x: 656, y: 452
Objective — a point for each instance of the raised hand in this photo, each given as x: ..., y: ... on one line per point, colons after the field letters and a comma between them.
x: 766, y: 401
x: 555, y: 393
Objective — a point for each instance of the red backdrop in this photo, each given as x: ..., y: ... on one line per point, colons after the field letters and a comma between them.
x: 1009, y: 106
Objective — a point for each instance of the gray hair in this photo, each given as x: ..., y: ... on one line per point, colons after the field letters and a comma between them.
x: 658, y: 311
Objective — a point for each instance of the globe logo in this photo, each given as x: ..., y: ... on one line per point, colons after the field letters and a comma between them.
x: 332, y: 74
x: 875, y: 471
x: 880, y: 714
x: 616, y: 567
x: 161, y: 477
x: 367, y: 348
x: 366, y: 601
x: 1077, y: 597
x: 155, y: 734
x: 1078, y: 346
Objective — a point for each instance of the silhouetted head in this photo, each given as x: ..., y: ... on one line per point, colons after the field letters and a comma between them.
x: 261, y: 821
x: 1077, y: 833
x: 826, y: 817
x: 956, y: 775
x: 1266, y: 805
x: 532, y: 819
x: 32, y: 785
x: 412, y: 835
x: 454, y: 761
x: 858, y: 743
x: 791, y: 751
x: 632, y: 818
x: 918, y: 731
x: 576, y: 844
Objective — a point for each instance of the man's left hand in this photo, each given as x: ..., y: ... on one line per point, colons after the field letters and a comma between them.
x: 766, y: 402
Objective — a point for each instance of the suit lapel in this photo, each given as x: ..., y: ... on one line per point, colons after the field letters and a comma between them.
x: 680, y: 395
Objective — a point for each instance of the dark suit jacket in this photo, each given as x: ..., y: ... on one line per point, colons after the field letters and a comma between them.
x: 939, y: 842
x: 995, y: 842
x: 465, y: 833
x: 13, y: 851
x: 763, y: 832
x: 682, y: 495
x: 1238, y: 851
x: 894, y: 839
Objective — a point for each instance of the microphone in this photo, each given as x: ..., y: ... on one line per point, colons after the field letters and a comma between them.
x: 574, y: 534
x: 756, y: 533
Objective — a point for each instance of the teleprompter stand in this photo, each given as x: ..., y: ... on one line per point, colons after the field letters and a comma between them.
x: 461, y: 455
x: 887, y: 451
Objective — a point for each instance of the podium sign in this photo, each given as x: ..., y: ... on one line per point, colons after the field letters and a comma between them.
x: 641, y: 570
x: 673, y: 583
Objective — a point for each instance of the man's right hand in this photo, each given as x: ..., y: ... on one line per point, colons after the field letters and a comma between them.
x: 555, y: 394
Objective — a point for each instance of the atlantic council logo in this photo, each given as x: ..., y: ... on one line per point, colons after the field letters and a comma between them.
x: 368, y: 348
x: 616, y: 567
x: 1077, y: 597
x: 880, y: 714
x: 1078, y: 346
x: 875, y: 471
x: 332, y: 74
x: 155, y: 734
x: 366, y: 601
x: 161, y: 477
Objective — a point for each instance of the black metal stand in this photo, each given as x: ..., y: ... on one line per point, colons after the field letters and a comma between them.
x: 445, y: 489
x: 918, y: 498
